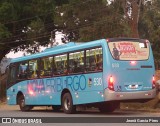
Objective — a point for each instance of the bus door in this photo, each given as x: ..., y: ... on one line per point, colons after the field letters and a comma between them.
x: 11, y: 80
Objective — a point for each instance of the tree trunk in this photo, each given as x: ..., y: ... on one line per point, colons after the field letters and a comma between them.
x: 133, y: 17
x: 3, y: 53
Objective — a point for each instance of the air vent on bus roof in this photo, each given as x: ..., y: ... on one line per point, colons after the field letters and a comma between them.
x: 60, y: 46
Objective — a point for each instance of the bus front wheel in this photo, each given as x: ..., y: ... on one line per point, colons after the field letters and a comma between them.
x: 67, y: 104
x: 21, y: 102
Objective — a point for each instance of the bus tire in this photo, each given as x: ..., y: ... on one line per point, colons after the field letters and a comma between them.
x: 21, y: 102
x: 108, y: 107
x: 67, y: 104
x: 56, y: 108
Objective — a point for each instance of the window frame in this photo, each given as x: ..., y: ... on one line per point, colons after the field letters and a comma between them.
x: 84, y: 61
x: 38, y: 75
x: 27, y: 61
x: 11, y: 83
x: 41, y: 58
x: 102, y: 59
x: 55, y: 75
x: 52, y: 65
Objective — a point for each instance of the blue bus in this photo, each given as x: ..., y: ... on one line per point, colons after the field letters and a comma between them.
x: 99, y: 73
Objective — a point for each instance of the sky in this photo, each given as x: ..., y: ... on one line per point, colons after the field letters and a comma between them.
x: 20, y: 53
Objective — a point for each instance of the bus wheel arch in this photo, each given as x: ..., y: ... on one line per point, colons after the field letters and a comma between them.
x: 67, y: 102
x: 21, y: 102
x: 63, y: 92
x: 18, y: 95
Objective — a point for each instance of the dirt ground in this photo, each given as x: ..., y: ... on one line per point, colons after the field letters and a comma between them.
x: 4, y: 106
x: 157, y: 75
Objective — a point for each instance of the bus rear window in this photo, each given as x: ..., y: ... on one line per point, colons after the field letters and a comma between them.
x: 128, y: 50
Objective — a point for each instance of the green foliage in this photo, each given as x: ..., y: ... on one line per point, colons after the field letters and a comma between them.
x: 35, y: 28
x: 149, y: 25
x: 24, y: 22
x: 86, y: 20
x: 83, y: 20
x: 4, y: 32
x: 6, y: 13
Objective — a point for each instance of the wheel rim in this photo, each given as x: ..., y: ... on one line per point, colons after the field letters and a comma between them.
x: 67, y: 104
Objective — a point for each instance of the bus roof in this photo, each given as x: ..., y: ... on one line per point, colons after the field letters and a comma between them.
x: 71, y: 46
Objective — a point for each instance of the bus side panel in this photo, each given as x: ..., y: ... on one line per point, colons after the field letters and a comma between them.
x: 88, y: 97
x: 87, y: 88
x: 45, y: 91
x: 84, y: 88
x: 21, y: 87
x: 11, y: 97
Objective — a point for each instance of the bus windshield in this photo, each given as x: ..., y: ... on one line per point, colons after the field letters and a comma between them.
x: 129, y: 50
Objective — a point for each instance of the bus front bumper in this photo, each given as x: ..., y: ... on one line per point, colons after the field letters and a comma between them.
x: 112, y: 95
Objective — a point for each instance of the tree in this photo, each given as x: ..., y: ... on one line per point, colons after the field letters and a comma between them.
x: 131, y: 10
x: 25, y: 23
x: 149, y: 26
x: 29, y: 23
x: 85, y: 20
x: 3, y: 65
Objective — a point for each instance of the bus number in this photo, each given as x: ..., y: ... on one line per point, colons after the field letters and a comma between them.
x: 97, y: 81
x: 115, y: 65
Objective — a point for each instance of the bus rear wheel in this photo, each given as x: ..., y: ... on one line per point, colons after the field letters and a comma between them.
x: 21, y: 102
x: 109, y: 107
x: 67, y: 104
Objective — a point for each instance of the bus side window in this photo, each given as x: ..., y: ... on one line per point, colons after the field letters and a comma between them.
x: 33, y: 69
x: 99, y: 63
x: 61, y: 64
x: 76, y: 62
x: 12, y: 75
x: 90, y: 60
x: 87, y: 61
x: 54, y: 68
x: 94, y: 60
x: 46, y: 66
x: 22, y: 71
x: 71, y: 60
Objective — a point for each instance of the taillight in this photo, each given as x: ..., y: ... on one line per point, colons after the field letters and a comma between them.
x: 153, y: 82
x: 110, y: 83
